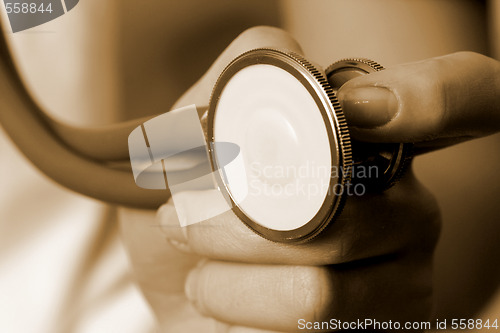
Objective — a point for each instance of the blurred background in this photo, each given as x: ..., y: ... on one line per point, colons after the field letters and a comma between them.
x: 66, y: 270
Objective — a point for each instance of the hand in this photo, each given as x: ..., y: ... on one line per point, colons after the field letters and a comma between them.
x: 375, y: 261
x: 372, y: 262
x: 433, y: 103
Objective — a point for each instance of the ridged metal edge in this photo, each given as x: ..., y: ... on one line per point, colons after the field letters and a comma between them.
x: 344, y: 137
x: 342, y: 128
x: 374, y: 65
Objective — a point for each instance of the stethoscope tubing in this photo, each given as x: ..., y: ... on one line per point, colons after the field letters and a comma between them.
x: 90, y: 161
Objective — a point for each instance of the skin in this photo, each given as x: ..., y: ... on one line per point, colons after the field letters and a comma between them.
x: 375, y: 261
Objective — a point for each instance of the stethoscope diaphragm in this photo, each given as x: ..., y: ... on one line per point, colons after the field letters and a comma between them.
x: 283, y: 113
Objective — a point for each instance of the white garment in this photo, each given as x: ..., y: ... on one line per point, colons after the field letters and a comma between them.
x: 46, y: 235
x: 62, y: 265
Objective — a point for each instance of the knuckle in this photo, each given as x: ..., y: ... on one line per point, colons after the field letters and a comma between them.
x: 430, y: 94
x: 267, y: 36
x: 468, y: 56
x: 419, y: 89
x: 433, y: 82
x: 259, y: 31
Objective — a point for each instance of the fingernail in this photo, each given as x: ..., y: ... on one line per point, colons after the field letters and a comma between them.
x: 169, y: 223
x: 368, y: 107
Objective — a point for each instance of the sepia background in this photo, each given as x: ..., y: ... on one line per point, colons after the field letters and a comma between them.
x: 62, y: 265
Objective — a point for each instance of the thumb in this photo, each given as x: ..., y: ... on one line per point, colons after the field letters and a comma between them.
x: 443, y: 99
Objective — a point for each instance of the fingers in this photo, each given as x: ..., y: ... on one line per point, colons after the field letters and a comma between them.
x: 257, y: 295
x: 275, y: 297
x: 455, y: 96
x: 256, y: 37
x: 161, y: 273
x: 370, y: 225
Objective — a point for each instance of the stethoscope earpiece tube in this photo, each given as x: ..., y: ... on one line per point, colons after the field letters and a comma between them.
x: 37, y: 138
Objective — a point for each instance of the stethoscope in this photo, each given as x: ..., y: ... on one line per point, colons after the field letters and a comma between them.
x: 279, y: 109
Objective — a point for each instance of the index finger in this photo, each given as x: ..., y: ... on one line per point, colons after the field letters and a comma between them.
x: 370, y: 225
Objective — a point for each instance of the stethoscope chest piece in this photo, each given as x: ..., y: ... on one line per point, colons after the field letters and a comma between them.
x: 294, y: 142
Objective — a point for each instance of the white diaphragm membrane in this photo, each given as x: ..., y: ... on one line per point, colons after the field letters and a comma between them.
x: 283, y: 142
